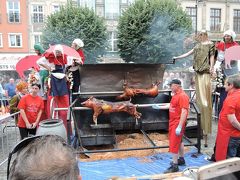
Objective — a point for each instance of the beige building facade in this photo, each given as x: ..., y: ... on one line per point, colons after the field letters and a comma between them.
x: 215, y: 16
x: 38, y: 10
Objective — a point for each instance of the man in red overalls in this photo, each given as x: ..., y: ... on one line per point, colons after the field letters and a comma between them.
x: 178, y: 112
x: 228, y: 135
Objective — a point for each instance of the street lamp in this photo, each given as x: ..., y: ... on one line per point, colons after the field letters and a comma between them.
x: 196, y: 6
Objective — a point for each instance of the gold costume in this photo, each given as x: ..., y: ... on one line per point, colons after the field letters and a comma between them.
x: 201, y: 65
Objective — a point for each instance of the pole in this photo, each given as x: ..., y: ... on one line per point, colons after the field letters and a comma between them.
x: 196, y: 6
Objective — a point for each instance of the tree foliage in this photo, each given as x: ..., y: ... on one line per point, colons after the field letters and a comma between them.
x: 73, y: 22
x: 152, y: 31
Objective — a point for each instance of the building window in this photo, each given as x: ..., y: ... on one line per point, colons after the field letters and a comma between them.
x: 215, y: 19
x: 55, y: 8
x: 1, y: 42
x: 112, y: 41
x: 13, y: 9
x: 130, y: 2
x: 100, y: 11
x: 99, y: 1
x: 191, y: 12
x: 112, y: 9
x: 236, y: 20
x: 37, y: 39
x: 15, y: 40
x: 37, y: 13
x: 88, y: 3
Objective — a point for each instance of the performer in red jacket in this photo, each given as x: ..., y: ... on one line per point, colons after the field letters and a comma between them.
x: 228, y: 135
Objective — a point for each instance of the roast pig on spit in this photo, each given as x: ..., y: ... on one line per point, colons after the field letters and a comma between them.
x: 131, y: 92
x: 106, y: 107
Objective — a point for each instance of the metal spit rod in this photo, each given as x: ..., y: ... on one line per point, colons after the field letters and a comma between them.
x: 118, y: 92
x: 164, y: 106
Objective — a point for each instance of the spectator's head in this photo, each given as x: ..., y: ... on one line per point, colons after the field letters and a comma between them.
x: 44, y: 157
x: 35, y: 89
x: 232, y: 82
x: 175, y: 85
x: 11, y: 81
x: 38, y: 49
x: 171, y: 75
x: 229, y: 36
x: 22, y: 87
x: 77, y: 43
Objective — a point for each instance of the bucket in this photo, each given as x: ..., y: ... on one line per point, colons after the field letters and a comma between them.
x: 52, y: 127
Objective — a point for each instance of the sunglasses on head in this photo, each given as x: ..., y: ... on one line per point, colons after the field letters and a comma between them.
x: 22, y: 144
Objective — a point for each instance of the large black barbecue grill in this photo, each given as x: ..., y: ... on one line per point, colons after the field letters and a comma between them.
x: 105, y: 81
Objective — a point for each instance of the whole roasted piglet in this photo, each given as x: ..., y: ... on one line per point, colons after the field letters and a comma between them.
x: 106, y: 107
x: 131, y: 92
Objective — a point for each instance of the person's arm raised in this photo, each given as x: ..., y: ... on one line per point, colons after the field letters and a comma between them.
x: 183, y: 55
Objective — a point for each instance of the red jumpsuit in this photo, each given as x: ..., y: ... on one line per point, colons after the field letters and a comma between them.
x: 178, y: 102
x: 226, y: 130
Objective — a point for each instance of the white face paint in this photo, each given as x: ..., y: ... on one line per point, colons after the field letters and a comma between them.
x: 58, y: 50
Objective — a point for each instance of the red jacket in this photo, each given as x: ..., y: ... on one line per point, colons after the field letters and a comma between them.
x: 80, y: 52
x: 226, y: 130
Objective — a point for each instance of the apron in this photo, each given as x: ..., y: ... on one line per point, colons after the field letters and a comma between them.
x: 58, y: 83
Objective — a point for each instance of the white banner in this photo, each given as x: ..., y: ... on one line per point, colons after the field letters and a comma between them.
x: 8, y: 61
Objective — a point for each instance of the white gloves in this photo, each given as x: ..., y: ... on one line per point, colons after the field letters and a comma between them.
x: 178, y: 130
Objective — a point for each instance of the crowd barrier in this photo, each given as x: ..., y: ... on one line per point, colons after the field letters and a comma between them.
x: 9, y: 137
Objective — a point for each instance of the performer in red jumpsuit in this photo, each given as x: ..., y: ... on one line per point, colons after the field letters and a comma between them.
x: 228, y: 135
x: 178, y: 112
x: 55, y: 62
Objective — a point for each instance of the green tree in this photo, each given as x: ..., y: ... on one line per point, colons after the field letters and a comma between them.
x: 152, y: 31
x: 72, y: 22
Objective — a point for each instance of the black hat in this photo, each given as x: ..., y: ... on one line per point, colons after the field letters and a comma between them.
x: 175, y: 81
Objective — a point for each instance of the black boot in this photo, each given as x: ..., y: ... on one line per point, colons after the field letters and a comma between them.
x: 181, y: 161
x: 172, y: 168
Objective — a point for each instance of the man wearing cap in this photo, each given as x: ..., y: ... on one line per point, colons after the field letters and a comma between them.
x: 178, y: 112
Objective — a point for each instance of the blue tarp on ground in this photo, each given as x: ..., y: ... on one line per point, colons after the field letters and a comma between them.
x: 156, y: 164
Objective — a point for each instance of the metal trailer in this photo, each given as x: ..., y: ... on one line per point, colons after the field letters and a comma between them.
x: 104, y: 81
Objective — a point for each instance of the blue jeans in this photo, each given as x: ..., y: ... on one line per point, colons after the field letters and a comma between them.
x: 233, y: 147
